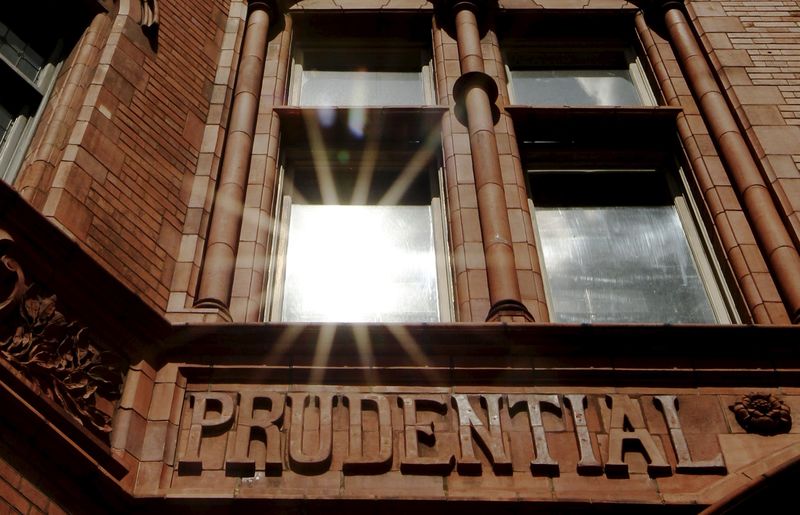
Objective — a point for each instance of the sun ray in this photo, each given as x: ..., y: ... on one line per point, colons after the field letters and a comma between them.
x: 412, y: 348
x: 366, y: 167
x: 416, y: 165
x: 364, y: 348
x: 319, y: 154
x: 322, y: 352
x: 284, y: 343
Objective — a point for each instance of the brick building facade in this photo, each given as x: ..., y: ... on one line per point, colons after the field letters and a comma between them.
x: 360, y: 256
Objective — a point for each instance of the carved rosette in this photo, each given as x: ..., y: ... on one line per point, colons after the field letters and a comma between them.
x: 762, y: 413
x: 53, y: 353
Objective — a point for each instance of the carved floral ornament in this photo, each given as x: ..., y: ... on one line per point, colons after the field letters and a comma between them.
x: 52, y: 352
x: 762, y: 413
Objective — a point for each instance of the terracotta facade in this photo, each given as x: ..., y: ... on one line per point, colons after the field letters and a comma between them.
x: 139, y: 366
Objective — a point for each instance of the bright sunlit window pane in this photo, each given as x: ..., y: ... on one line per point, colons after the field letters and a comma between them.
x: 620, y: 264
x: 574, y: 87
x: 361, y: 88
x: 360, y: 264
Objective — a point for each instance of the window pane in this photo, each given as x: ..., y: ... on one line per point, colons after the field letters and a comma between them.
x: 360, y: 264
x: 620, y: 264
x: 9, y: 52
x: 27, y: 69
x: 5, y: 123
x: 574, y: 87
x: 361, y: 88
x: 25, y: 58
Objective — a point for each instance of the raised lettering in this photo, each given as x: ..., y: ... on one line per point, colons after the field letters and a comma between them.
x: 491, y: 439
x: 212, y: 412
x: 356, y: 461
x: 627, y: 425
x: 588, y: 464
x: 319, y: 458
x: 259, y: 416
x: 542, y: 463
x: 412, y: 462
x: 272, y: 427
x: 669, y: 407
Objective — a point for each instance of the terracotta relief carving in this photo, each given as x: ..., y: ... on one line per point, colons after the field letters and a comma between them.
x: 762, y: 413
x: 12, y: 279
x: 275, y: 430
x: 52, y: 352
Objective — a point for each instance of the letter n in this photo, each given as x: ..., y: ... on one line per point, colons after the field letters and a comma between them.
x: 491, y: 438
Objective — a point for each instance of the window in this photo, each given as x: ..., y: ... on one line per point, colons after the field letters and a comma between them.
x: 360, y: 231
x: 342, y: 76
x: 621, y: 246
x: 620, y: 238
x: 384, y: 66
x: 361, y: 245
x: 575, y: 62
x: 604, y: 79
x: 28, y: 66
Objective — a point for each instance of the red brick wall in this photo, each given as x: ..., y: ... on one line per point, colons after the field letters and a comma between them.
x: 118, y: 188
x: 755, y: 47
x: 19, y: 495
x: 202, y: 184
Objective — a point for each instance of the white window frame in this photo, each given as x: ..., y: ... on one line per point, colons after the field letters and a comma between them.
x: 708, y: 267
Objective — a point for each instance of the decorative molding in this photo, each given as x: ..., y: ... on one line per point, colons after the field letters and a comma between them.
x: 54, y: 353
x: 762, y: 413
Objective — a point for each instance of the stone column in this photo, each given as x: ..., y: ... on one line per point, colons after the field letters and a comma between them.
x: 216, y: 277
x: 475, y: 93
x: 770, y: 232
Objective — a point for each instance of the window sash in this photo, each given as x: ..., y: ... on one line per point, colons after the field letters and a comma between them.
x: 330, y: 88
x: 360, y: 264
x: 620, y: 264
x: 354, y: 78
x: 668, y: 243
x: 315, y: 263
x: 605, y: 87
x: 562, y: 76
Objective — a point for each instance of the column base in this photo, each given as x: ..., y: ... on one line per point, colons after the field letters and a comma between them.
x: 215, y: 306
x: 509, y: 311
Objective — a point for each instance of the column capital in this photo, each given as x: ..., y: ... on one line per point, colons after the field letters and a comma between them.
x: 479, y: 7
x: 666, y: 5
x: 475, y: 5
x: 271, y: 6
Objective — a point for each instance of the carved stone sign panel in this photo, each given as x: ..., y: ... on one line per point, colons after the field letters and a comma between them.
x: 309, y: 436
